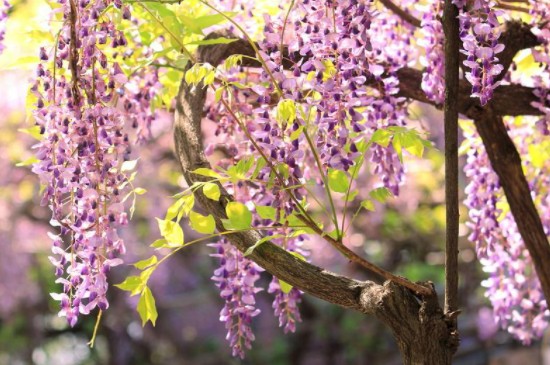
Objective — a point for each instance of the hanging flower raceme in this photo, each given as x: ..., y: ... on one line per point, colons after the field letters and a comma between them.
x: 479, y: 32
x: 81, y: 152
x: 512, y: 287
x: 433, y: 83
x: 236, y: 278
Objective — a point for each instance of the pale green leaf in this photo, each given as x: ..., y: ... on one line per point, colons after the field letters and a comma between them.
x: 146, y: 307
x: 381, y: 194
x: 211, y: 191
x: 266, y: 212
x: 202, y: 224
x: 239, y: 215
x: 143, y: 264
x: 338, y: 181
x: 171, y: 231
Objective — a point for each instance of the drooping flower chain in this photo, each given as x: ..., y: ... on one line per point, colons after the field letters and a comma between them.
x: 512, y: 287
x: 81, y: 153
x: 433, y: 83
x: 479, y: 32
x: 236, y: 278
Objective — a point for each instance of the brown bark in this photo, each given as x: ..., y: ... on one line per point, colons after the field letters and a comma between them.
x: 452, y: 65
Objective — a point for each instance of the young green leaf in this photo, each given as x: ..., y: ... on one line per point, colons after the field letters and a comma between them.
x: 171, y: 231
x: 338, y: 181
x: 238, y: 215
x: 368, y: 205
x: 146, y: 307
x: 211, y: 191
x: 259, y: 243
x: 266, y: 212
x: 146, y: 263
x: 285, y: 287
x: 207, y: 172
x: 160, y: 243
x: 133, y: 284
x: 202, y: 224
x: 382, y: 137
x: 381, y: 194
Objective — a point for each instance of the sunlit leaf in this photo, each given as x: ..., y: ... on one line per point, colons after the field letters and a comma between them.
x: 146, y: 307
x: 338, y: 181
x: 202, y: 224
x: 211, y: 191
x: 146, y: 263
x: 238, y: 215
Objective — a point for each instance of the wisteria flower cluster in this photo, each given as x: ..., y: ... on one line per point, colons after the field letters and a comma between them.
x: 512, y: 287
x: 479, y: 32
x: 336, y: 55
x: 236, y: 278
x: 83, y: 148
x: 432, y: 39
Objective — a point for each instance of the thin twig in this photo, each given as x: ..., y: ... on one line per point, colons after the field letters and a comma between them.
x: 452, y: 64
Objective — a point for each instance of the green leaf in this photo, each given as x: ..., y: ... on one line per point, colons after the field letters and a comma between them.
x: 266, y: 212
x: 285, y: 287
x: 29, y: 161
x: 146, y: 307
x: 260, y: 164
x: 140, y: 191
x: 238, y: 215
x: 412, y: 143
x: 202, y: 224
x: 259, y: 243
x: 133, y: 284
x: 211, y: 191
x: 381, y: 194
x: 352, y: 195
x: 233, y: 61
x: 338, y: 181
x: 294, y: 135
x: 207, y: 172
x: 398, y: 146
x: 160, y: 243
x: 218, y: 94
x: 171, y: 231
x: 181, y: 207
x: 382, y: 137
x: 368, y: 205
x: 143, y: 264
x: 286, y: 111
x: 34, y: 132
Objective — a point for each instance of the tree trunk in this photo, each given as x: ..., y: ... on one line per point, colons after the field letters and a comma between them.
x: 424, y: 335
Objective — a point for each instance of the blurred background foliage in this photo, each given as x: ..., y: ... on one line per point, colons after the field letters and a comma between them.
x: 406, y: 236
